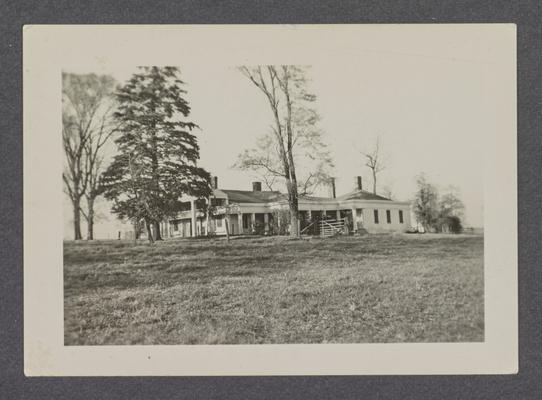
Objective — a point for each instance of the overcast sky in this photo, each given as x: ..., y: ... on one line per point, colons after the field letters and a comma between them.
x: 423, y: 108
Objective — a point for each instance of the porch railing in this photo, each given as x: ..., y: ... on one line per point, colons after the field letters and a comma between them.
x: 332, y: 227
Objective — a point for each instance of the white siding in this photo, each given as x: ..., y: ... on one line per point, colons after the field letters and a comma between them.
x: 383, y: 225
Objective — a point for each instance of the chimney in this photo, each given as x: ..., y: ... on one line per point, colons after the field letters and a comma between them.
x: 358, y: 183
x: 332, y: 187
x: 256, y: 186
x: 214, y: 182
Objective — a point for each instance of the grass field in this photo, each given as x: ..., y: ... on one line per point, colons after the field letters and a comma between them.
x: 376, y: 288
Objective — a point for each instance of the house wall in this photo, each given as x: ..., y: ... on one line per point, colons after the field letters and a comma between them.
x: 218, y: 225
x: 183, y: 228
x: 363, y: 211
x: 371, y: 226
x: 235, y: 224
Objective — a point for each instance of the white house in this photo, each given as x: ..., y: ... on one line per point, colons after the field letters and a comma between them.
x: 258, y: 211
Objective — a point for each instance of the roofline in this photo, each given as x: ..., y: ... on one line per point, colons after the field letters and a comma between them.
x: 325, y: 201
x: 350, y: 201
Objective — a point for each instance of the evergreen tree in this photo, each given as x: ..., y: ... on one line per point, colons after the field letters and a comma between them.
x: 158, y: 153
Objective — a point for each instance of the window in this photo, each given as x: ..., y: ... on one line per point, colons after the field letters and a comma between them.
x: 388, y: 216
x: 400, y: 216
x: 246, y: 221
x: 219, y: 222
x: 175, y: 226
x: 376, y: 216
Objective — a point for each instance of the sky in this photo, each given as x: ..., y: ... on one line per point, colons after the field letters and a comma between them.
x: 423, y: 109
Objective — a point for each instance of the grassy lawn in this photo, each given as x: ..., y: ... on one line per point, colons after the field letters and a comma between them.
x: 376, y: 288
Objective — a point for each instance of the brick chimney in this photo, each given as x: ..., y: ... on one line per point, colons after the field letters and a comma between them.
x: 214, y: 182
x: 358, y: 183
x: 332, y: 192
x: 256, y: 186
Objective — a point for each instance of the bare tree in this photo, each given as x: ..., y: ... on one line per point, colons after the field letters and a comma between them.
x: 94, y: 157
x: 374, y: 161
x: 426, y: 202
x: 294, y: 137
x: 83, y: 139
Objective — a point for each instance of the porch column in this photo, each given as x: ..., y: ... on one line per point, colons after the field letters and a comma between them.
x: 266, y: 223
x: 338, y: 214
x: 207, y: 223
x: 194, y: 220
x: 354, y: 220
x: 309, y: 215
x: 240, y: 222
x: 252, y: 222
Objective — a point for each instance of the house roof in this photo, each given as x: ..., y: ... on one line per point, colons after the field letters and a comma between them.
x: 249, y: 196
x: 361, y: 195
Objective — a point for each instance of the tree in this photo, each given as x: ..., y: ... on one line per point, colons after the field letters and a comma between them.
x: 295, y: 143
x: 374, y: 161
x: 86, y: 129
x: 94, y: 159
x: 426, y: 202
x: 158, y: 153
x: 125, y: 184
x: 451, y: 210
x: 454, y: 224
x: 450, y: 204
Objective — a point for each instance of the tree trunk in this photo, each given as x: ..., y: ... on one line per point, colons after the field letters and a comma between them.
x: 294, y: 208
x: 294, y: 223
x: 157, y: 233
x: 294, y: 215
x: 136, y: 230
x: 227, y: 228
x: 374, y: 181
x: 90, y: 219
x: 77, y: 219
x: 149, y: 232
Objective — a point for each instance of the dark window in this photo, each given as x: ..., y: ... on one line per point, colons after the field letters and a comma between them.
x: 200, y: 204
x: 400, y: 216
x: 219, y: 222
x: 175, y: 226
x: 376, y: 216
x: 218, y: 202
x: 388, y: 216
x: 246, y: 221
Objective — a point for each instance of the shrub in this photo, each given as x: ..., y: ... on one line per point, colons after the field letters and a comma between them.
x: 449, y: 224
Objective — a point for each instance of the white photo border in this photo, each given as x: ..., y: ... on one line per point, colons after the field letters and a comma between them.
x: 47, y: 49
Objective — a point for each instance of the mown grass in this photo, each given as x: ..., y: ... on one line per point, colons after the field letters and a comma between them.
x: 375, y: 288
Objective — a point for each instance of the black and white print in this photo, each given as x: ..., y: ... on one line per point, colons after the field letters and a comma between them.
x: 274, y: 203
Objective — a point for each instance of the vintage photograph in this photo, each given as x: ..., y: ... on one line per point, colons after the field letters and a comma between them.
x: 272, y: 204
x: 246, y: 199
